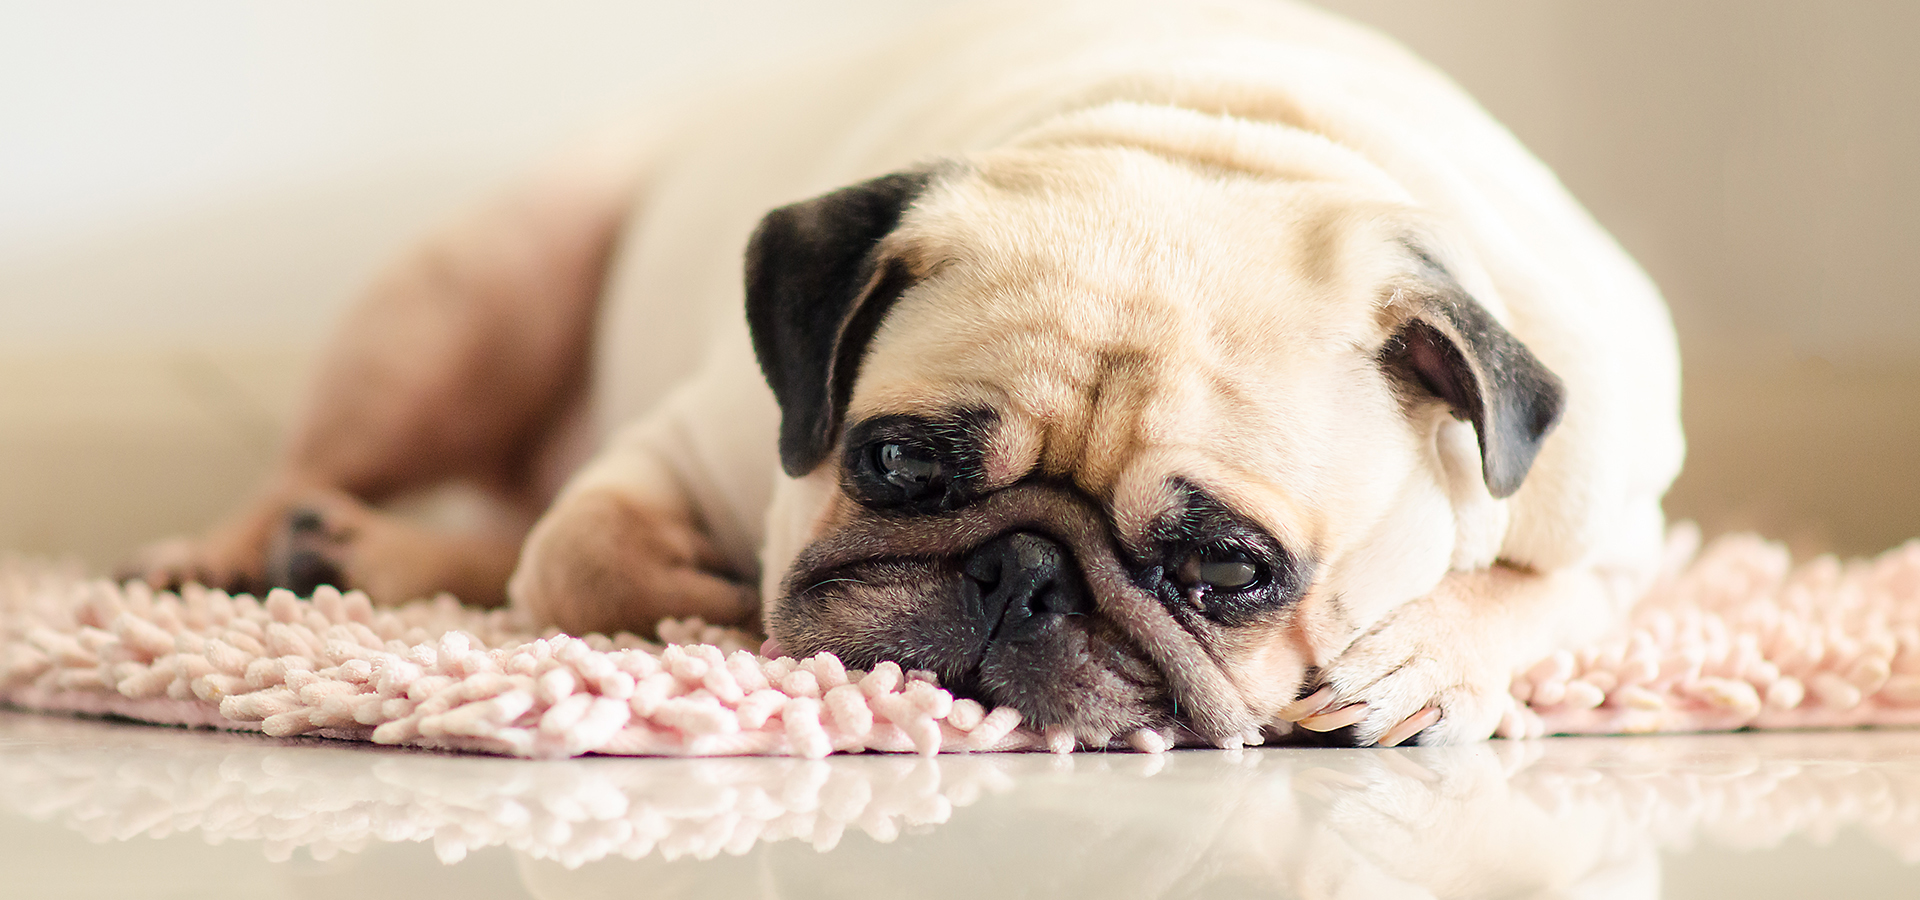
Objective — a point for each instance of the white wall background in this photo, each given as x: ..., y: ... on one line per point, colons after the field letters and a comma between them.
x: 146, y: 144
x: 1757, y: 155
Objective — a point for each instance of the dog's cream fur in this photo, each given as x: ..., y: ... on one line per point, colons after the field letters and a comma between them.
x: 1236, y: 173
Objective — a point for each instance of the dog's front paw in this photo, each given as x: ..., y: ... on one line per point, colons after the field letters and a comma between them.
x: 1438, y: 669
x: 601, y: 560
x: 1388, y: 695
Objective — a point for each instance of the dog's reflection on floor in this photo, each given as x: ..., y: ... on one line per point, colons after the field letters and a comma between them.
x: 1587, y: 816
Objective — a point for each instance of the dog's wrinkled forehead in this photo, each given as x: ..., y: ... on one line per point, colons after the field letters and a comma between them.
x: 1133, y: 320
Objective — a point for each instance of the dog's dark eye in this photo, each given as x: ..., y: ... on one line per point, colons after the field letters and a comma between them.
x: 1220, y: 569
x: 912, y: 470
x: 912, y: 465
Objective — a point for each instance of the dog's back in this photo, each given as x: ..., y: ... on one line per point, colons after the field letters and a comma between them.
x: 983, y: 75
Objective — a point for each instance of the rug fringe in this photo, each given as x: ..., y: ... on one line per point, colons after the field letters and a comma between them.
x: 1733, y: 637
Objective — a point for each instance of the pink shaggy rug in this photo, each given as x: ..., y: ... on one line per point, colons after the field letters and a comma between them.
x: 1731, y: 637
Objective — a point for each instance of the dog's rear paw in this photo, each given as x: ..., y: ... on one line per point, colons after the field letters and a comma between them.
x: 175, y: 562
x: 299, y: 545
x: 229, y: 558
x: 332, y: 538
x: 308, y: 551
x: 302, y: 540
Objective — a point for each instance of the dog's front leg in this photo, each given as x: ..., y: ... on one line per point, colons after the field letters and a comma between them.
x: 625, y: 546
x: 1440, y: 666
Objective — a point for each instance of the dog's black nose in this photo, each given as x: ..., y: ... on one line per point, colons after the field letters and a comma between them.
x: 1018, y: 583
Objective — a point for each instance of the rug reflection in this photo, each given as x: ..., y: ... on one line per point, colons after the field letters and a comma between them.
x: 1590, y: 817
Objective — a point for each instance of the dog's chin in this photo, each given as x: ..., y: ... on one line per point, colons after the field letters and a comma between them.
x: 1079, y: 673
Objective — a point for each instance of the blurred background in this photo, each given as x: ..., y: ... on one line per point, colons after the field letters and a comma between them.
x: 190, y: 191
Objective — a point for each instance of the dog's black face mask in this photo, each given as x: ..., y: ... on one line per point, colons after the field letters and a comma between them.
x: 1023, y: 593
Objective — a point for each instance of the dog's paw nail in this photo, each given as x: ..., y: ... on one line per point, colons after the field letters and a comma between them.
x: 1409, y: 727
x: 1311, y: 705
x: 1339, y: 718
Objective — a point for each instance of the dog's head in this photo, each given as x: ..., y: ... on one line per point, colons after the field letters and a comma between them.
x: 1126, y: 435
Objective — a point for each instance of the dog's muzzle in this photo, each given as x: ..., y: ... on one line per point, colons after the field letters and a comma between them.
x: 1032, y: 578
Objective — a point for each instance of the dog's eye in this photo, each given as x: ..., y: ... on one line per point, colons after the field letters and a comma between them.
x: 909, y: 469
x: 1220, y: 569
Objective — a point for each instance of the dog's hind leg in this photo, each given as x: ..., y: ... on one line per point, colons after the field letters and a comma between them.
x: 467, y: 361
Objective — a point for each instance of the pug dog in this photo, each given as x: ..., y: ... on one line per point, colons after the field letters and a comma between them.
x: 1215, y: 369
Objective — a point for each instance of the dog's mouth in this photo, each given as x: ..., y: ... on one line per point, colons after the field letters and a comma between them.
x: 1018, y: 600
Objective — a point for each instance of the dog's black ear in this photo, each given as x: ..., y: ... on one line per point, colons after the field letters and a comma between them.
x: 816, y: 291
x: 1454, y: 348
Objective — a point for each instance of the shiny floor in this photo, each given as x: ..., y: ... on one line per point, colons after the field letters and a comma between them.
x: 98, y: 809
